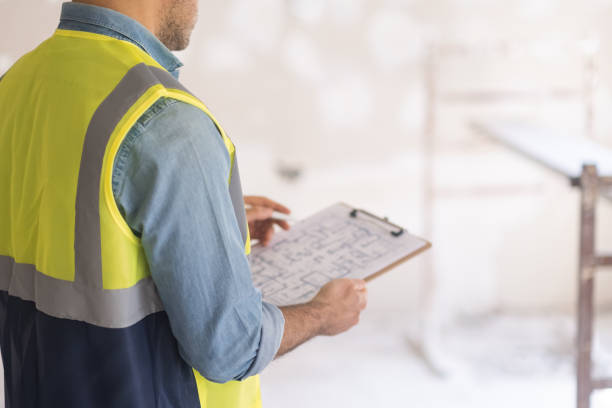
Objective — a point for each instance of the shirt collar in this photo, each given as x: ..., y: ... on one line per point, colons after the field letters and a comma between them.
x: 126, y: 27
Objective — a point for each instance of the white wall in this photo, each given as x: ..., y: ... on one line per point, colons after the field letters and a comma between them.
x: 336, y: 87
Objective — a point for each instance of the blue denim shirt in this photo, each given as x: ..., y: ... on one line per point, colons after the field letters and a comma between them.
x: 170, y: 183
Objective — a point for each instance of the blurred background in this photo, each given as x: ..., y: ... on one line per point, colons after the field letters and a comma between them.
x: 372, y: 102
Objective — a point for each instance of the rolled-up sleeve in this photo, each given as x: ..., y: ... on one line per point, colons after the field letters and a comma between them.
x: 170, y: 182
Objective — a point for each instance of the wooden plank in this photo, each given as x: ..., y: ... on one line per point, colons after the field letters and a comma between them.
x: 562, y: 153
x: 601, y: 383
x: 604, y: 260
x: 586, y: 272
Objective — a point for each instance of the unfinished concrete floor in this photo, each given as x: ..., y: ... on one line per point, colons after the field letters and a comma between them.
x: 490, y: 361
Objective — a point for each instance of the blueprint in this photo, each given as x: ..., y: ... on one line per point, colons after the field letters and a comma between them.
x: 328, y: 245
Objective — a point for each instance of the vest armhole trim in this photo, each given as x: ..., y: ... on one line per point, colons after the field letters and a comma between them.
x: 188, y: 98
x: 121, y: 131
x: 117, y: 137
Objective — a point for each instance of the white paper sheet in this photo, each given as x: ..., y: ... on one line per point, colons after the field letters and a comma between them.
x: 328, y: 245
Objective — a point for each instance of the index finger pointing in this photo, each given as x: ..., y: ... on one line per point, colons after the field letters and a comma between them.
x: 266, y: 202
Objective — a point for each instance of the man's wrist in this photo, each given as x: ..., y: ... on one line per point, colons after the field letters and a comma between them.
x: 303, y: 322
x: 320, y: 312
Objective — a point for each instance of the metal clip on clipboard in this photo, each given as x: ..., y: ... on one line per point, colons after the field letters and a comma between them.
x: 385, y: 220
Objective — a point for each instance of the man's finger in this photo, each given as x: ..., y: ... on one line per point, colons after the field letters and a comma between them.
x: 359, y: 284
x: 363, y: 300
x: 283, y: 224
x: 266, y: 202
x: 268, y: 235
x: 258, y: 213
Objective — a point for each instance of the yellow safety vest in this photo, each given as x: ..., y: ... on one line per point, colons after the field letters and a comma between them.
x: 81, y: 323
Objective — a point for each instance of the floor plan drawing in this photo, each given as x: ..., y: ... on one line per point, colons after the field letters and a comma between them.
x: 329, y: 245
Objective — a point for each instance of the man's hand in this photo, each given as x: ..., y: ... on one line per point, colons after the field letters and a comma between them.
x: 342, y: 301
x: 335, y: 309
x: 259, y: 213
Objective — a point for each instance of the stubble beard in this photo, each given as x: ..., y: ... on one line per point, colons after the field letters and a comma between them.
x: 177, y: 21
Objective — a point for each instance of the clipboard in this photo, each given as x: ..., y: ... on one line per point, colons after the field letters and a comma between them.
x: 400, y: 230
x: 339, y: 241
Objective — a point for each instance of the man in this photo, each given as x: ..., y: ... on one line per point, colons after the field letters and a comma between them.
x: 124, y: 280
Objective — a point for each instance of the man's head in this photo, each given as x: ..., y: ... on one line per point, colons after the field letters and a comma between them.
x: 171, y: 21
x: 176, y: 21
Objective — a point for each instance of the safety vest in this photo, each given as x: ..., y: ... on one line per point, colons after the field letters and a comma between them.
x: 81, y: 323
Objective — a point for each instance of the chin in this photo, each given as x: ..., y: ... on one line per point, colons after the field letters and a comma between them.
x: 180, y: 45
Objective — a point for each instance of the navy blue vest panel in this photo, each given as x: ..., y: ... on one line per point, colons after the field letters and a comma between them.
x: 51, y: 362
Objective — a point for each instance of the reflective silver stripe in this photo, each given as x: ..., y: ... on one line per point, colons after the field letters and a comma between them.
x: 168, y: 80
x: 235, y: 190
x: 116, y: 308
x: 87, y: 248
